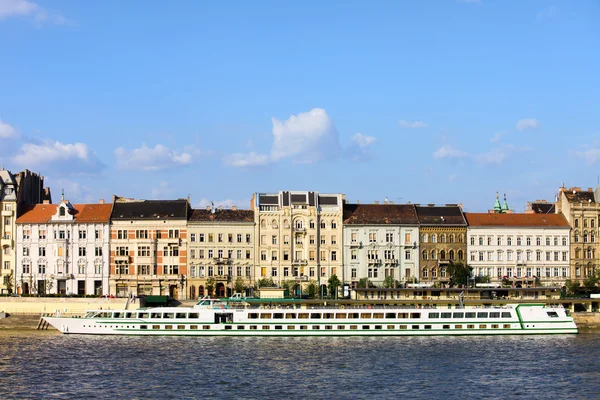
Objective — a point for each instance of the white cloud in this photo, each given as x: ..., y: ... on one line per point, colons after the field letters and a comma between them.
x: 73, y: 158
x: 591, y: 156
x: 6, y: 130
x: 153, y: 159
x: 303, y: 138
x: 74, y: 191
x: 360, y: 147
x: 363, y: 141
x: 227, y: 203
x: 495, y: 156
x: 163, y: 192
x: 251, y: 159
x: 448, y: 151
x: 24, y: 8
x: 527, y: 123
x: 413, y: 124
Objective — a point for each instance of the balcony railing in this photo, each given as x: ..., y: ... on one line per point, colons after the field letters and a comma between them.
x: 300, y: 262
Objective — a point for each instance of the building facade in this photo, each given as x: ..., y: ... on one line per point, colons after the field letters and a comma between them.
x: 581, y: 208
x: 442, y: 239
x: 221, y: 251
x: 523, y: 249
x: 63, y: 249
x: 299, y: 237
x: 8, y: 217
x: 380, y: 241
x: 148, y: 248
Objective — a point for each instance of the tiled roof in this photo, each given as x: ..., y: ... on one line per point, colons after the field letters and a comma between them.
x: 441, y: 215
x: 150, y: 209
x: 371, y: 214
x: 579, y: 196
x: 517, y: 220
x: 222, y: 216
x: 83, y: 213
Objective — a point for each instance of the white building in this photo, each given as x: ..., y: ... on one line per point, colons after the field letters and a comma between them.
x: 8, y: 211
x: 380, y: 240
x: 63, y: 249
x: 519, y: 247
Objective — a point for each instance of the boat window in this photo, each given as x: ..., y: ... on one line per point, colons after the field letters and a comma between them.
x: 265, y: 315
x: 155, y: 315
x: 505, y: 315
x: 193, y: 315
x: 482, y: 326
x: 168, y: 326
x: 415, y: 326
x: 253, y: 315
x: 482, y: 315
x: 427, y: 326
x: 290, y: 316
x: 143, y: 315
x: 315, y: 315
x: 458, y: 315
x: 378, y: 315
x: 253, y: 327
x: 378, y: 326
x: 180, y: 326
x: 365, y: 315
x: 506, y: 326
x: 278, y: 315
x: 340, y: 316
x: 366, y: 327
x: 415, y: 315
x: 291, y: 327
x: 303, y: 327
x: 341, y: 327
x: 241, y: 327
x: 446, y: 315
x: 205, y: 326
x: 143, y: 326
x: 328, y: 327
x: 353, y: 327
x: 180, y: 315
x: 194, y: 327
x: 470, y: 326
x: 106, y: 315
x: 278, y: 327
x: 352, y: 315
x: 469, y: 315
x: 302, y: 315
x: 155, y: 326
x: 494, y: 315
x: 403, y: 327
x: 457, y: 326
x: 403, y: 315
x: 390, y: 326
x: 117, y: 315
x: 552, y: 314
x: 169, y: 315
x: 390, y: 315
x: 266, y: 327
x: 445, y: 326
x: 434, y: 315
x: 495, y: 326
x: 129, y: 315
x: 328, y: 315
x: 228, y: 327
x: 316, y: 327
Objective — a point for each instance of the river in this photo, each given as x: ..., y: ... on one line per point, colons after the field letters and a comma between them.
x: 47, y: 364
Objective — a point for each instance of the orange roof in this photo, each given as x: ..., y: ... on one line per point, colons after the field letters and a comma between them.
x: 84, y: 213
x: 518, y: 220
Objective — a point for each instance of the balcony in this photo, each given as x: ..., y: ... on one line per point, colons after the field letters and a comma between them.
x: 7, y: 213
x: 6, y: 242
x: 300, y: 262
x: 222, y: 260
x: 373, y: 261
x: 299, y: 230
x: 302, y: 278
x: 356, y: 244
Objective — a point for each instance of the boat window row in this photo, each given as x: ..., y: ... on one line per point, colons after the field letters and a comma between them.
x: 142, y: 314
x: 377, y: 315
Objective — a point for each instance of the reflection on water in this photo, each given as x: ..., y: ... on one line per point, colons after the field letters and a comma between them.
x: 41, y: 364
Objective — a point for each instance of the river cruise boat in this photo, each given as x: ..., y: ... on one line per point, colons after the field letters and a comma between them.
x: 212, y: 317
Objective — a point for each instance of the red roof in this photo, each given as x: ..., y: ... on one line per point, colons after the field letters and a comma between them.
x: 517, y: 220
x: 42, y: 213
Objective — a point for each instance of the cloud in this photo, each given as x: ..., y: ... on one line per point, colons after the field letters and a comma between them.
x: 527, y: 123
x: 163, y: 192
x: 24, y: 8
x: 251, y: 159
x: 413, y: 124
x: 54, y: 155
x: 7, y: 131
x: 360, y: 147
x: 495, y: 156
x: 303, y: 138
x: 74, y: 191
x: 153, y: 159
x: 591, y: 155
x: 228, y: 203
x: 547, y: 13
x: 497, y: 136
x: 448, y: 151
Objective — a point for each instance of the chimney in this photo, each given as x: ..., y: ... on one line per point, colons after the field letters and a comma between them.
x: 207, y: 208
x: 46, y: 202
x: 376, y: 202
x: 252, y: 201
x: 391, y: 202
x: 460, y: 206
x: 357, y: 201
x: 101, y: 201
x: 233, y: 208
x: 220, y: 208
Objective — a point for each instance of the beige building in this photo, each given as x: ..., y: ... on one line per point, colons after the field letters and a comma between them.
x: 8, y: 212
x: 299, y: 237
x: 221, y: 246
x: 581, y: 208
x: 148, y: 247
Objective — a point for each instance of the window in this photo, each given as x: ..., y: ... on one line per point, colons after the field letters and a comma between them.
x: 42, y: 252
x: 425, y: 255
x: 509, y: 241
x: 42, y: 234
x: 82, y: 252
x: 334, y: 239
x: 121, y: 234
x: 274, y: 239
x: 334, y: 255
x: 519, y: 241
x: 323, y: 225
x: 141, y: 234
x: 528, y: 241
x: 26, y: 233
x: 389, y: 237
x: 407, y: 254
x: 372, y: 237
x: 220, y: 237
x: 333, y: 225
x: 547, y: 241
x: 144, y: 251
x: 481, y: 241
x: 239, y: 238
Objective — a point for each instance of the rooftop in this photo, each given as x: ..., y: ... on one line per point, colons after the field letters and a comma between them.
x: 227, y: 215
x: 441, y: 215
x: 83, y: 213
x: 150, y: 209
x: 524, y: 220
x: 371, y: 214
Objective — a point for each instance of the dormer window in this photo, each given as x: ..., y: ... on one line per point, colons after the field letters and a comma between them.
x: 61, y: 211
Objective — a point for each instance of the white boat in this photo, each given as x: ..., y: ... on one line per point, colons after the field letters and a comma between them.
x: 211, y: 317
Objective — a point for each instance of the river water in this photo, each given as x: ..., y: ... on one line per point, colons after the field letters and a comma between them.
x: 50, y: 365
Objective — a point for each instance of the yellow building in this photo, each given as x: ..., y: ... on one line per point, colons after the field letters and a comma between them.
x: 299, y: 237
x: 8, y: 212
x: 221, y: 251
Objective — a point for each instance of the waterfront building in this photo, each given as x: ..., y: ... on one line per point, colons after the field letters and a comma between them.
x: 8, y: 212
x: 581, y: 208
x: 63, y: 248
x: 148, y: 247
x: 299, y: 237
x: 442, y: 233
x: 221, y: 250
x: 521, y: 249
x: 380, y: 241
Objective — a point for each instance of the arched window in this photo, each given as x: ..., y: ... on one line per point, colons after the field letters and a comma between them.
x: 200, y: 291
x: 452, y: 238
x: 322, y: 224
x: 442, y: 272
x: 576, y: 238
x: 286, y: 224
x: 61, y: 211
x: 333, y: 225
x: 274, y: 224
x: 576, y: 223
x: 299, y: 224
x: 425, y: 255
x: 452, y: 255
x: 263, y: 223
x: 460, y: 238
x: 460, y: 254
x: 433, y: 273
x: 585, y: 223
x: 192, y: 292
x: 433, y: 255
x: 443, y: 238
x: 425, y: 238
x: 425, y: 273
x: 443, y: 255
x: 312, y: 224
x: 472, y: 240
x: 433, y: 238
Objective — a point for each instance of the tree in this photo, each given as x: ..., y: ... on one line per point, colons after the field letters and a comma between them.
x: 459, y: 273
x: 389, y: 282
x: 264, y: 282
x: 333, y: 284
x: 572, y: 289
x: 239, y: 285
x: 365, y: 283
x: 311, y: 290
x: 48, y: 286
x: 210, y: 285
x: 8, y: 282
x: 483, y: 279
x: 289, y: 286
x: 589, y: 283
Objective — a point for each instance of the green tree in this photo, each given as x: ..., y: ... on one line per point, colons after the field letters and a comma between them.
x: 8, y: 282
x: 211, y: 283
x: 589, y: 283
x: 264, y: 282
x: 365, y: 283
x: 389, y: 282
x: 239, y: 285
x: 311, y: 290
x: 332, y: 285
x: 48, y: 286
x: 572, y: 289
x: 459, y: 273
x: 289, y: 285
x: 483, y: 279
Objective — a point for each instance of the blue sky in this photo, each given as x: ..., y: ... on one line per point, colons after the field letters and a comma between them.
x: 422, y: 101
